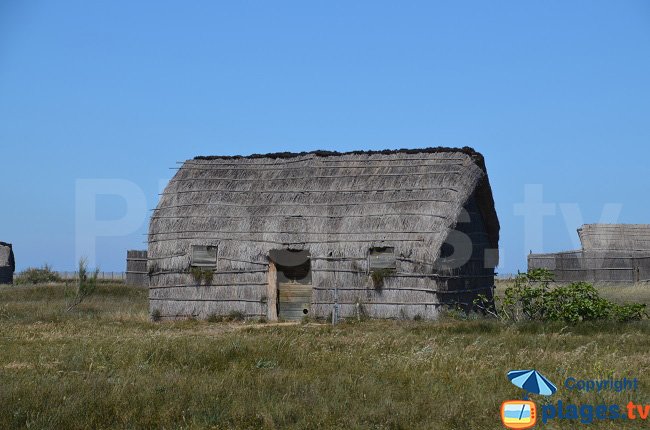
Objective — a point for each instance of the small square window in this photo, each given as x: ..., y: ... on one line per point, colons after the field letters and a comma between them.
x: 381, y: 258
x: 204, y: 256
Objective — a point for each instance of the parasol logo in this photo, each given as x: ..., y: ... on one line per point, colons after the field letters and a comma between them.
x: 522, y: 414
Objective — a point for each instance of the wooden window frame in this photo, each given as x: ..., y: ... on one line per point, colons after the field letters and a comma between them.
x: 374, y: 248
x: 209, y: 266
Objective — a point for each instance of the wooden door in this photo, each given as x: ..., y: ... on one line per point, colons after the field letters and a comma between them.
x: 294, y: 300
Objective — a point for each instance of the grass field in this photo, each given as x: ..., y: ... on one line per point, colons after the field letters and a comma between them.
x: 105, y: 365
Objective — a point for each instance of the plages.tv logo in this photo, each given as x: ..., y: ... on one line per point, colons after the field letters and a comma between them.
x: 522, y: 414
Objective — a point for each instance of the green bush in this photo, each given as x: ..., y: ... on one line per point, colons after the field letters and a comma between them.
x: 201, y: 275
x: 35, y: 275
x: 197, y: 274
x: 580, y: 301
x: 208, y: 275
x: 379, y: 275
x: 531, y: 298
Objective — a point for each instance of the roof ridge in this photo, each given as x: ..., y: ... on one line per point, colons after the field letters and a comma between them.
x: 325, y: 153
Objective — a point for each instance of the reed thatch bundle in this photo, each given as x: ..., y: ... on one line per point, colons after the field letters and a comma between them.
x: 136, y: 268
x: 337, y: 206
x: 615, y: 237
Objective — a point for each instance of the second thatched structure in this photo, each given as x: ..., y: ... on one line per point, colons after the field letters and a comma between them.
x: 617, y: 253
x: 136, y: 268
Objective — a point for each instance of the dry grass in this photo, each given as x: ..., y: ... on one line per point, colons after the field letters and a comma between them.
x: 626, y: 293
x: 105, y: 365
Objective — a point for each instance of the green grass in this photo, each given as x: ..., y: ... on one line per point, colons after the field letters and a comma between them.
x: 105, y: 365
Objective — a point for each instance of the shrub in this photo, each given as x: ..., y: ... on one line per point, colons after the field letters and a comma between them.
x: 197, y: 274
x: 40, y: 275
x: 208, y: 275
x: 86, y: 284
x: 580, y: 301
x: 156, y: 315
x: 201, y: 275
x: 379, y: 275
x: 530, y: 298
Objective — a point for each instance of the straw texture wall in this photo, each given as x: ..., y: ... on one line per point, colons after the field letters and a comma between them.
x: 337, y: 207
x: 615, y: 237
x: 7, y: 263
x: 136, y: 268
x: 610, y: 253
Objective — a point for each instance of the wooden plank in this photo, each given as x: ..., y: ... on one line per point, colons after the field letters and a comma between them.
x: 294, y: 300
x: 272, y: 292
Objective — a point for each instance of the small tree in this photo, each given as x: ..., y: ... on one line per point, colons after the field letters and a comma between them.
x: 86, y: 284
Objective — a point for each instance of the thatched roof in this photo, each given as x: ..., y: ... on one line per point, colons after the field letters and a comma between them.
x: 615, y: 237
x: 327, y: 202
x: 322, y: 153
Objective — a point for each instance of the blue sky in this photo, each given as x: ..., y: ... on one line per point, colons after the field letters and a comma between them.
x: 551, y: 92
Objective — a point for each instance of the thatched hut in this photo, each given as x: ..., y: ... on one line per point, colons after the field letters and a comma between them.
x: 7, y: 263
x: 385, y: 234
x: 610, y: 253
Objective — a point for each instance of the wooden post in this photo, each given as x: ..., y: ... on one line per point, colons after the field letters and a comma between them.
x: 272, y: 293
